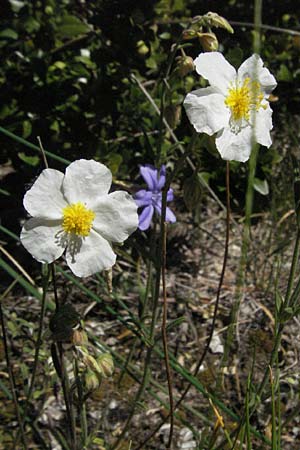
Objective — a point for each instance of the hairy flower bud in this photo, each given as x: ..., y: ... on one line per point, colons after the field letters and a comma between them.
x: 106, y: 364
x: 218, y: 21
x: 173, y: 115
x: 79, y: 337
x: 92, y: 382
x: 208, y: 41
x: 185, y: 65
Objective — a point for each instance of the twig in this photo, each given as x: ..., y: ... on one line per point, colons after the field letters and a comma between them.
x: 43, y: 152
x: 263, y: 26
x: 15, y: 262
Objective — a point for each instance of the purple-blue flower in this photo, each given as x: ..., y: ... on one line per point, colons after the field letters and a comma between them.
x: 150, y: 199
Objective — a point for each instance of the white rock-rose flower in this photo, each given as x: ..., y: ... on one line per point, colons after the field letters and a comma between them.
x: 235, y: 106
x: 75, y: 212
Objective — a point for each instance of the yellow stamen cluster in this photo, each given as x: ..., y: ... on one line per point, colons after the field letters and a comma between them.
x: 242, y: 98
x: 77, y: 219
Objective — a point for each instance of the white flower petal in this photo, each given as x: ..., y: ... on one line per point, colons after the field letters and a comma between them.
x: 45, y: 198
x: 206, y: 110
x: 86, y: 256
x: 86, y: 179
x: 263, y: 125
x: 213, y: 67
x: 235, y: 147
x: 116, y: 216
x: 253, y: 68
x: 44, y: 239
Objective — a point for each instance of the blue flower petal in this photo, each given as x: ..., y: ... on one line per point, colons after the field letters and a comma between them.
x: 143, y: 198
x: 170, y: 216
x: 170, y: 195
x: 150, y: 175
x: 145, y: 217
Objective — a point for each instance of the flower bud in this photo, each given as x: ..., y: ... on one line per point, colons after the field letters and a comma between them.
x: 92, y: 382
x: 106, y: 364
x: 79, y: 337
x: 173, y: 115
x: 185, y: 65
x: 189, y: 34
x: 92, y: 364
x: 208, y: 41
x: 218, y: 21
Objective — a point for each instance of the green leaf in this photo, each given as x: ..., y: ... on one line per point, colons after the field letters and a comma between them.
x: 176, y: 322
x: 27, y: 128
x: 8, y: 33
x: 284, y: 74
x: 278, y: 301
x: 71, y: 27
x: 31, y: 25
x: 30, y: 160
x: 261, y: 186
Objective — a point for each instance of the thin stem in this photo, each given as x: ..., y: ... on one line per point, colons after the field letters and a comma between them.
x: 64, y: 374
x: 39, y: 336
x: 43, y: 152
x: 12, y: 379
x: 81, y: 403
x: 200, y: 362
x: 164, y: 329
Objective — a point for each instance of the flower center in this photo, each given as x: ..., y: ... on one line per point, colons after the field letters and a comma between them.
x: 77, y: 219
x: 242, y: 98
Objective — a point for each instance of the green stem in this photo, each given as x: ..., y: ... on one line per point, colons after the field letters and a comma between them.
x: 64, y: 374
x: 12, y: 379
x: 39, y: 336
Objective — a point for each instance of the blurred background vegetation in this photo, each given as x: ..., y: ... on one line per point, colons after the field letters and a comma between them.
x: 66, y: 76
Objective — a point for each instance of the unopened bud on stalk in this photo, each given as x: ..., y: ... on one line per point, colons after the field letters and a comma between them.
x: 173, y: 115
x: 185, y: 65
x: 217, y: 21
x: 92, y: 382
x: 79, y: 337
x: 106, y: 364
x: 92, y: 364
x: 208, y: 41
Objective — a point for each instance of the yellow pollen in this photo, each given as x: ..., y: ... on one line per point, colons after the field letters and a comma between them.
x: 242, y: 98
x: 77, y: 219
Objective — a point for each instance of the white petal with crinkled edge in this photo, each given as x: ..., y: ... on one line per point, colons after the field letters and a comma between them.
x: 253, y: 68
x: 263, y: 125
x: 86, y: 179
x: 213, y: 67
x: 44, y: 239
x: 235, y: 147
x: 116, y: 216
x: 45, y: 198
x: 206, y: 110
x: 93, y: 254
